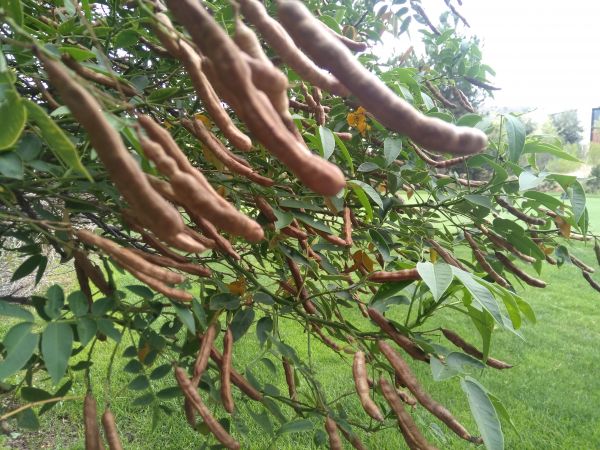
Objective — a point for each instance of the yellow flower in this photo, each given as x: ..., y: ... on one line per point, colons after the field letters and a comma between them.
x: 358, y: 119
x: 205, y: 120
x: 238, y: 287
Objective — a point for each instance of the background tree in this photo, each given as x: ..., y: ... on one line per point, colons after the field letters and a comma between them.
x: 252, y: 167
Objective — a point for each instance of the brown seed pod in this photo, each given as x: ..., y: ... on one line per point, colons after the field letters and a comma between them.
x: 190, y: 392
x: 93, y: 272
x: 359, y: 370
x: 461, y: 181
x: 432, y: 162
x: 347, y: 227
x: 210, y: 231
x: 335, y: 240
x: 344, y: 136
x: 405, y: 374
x: 93, y: 441
x: 398, y: 275
x: 163, y: 261
x: 193, y: 66
x: 202, y: 240
x: 403, y: 342
x: 278, y: 38
x: 289, y: 379
x: 110, y: 430
x: 335, y: 442
x: 83, y: 281
x: 590, y: 280
x: 265, y: 209
x: 412, y: 435
x: 252, y: 105
x: 389, y: 109
x: 471, y: 350
x: 158, y: 286
x: 354, y: 46
x: 581, y: 265
x: 299, y: 282
x: 519, y: 214
x: 295, y: 232
x: 353, y: 439
x: 463, y: 100
x: 190, y: 413
x: 480, y: 257
x: 154, y: 211
x: 503, y: 243
x: 97, y: 77
x: 226, y: 397
x: 438, y: 95
x: 128, y: 258
x: 597, y: 250
x: 518, y: 272
x: 201, y: 363
x: 236, y: 378
x: 198, y: 129
x: 446, y: 255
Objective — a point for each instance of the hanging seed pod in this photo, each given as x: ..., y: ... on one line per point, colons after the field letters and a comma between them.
x: 353, y: 439
x: 237, y: 379
x: 438, y: 95
x: 480, y: 257
x: 470, y: 350
x: 503, y: 243
x: 110, y: 430
x: 595, y: 285
x: 97, y: 77
x: 398, y: 275
x: 93, y: 272
x: 446, y: 255
x: 93, y: 441
x: 204, y: 352
x: 335, y: 443
x: 359, y: 371
x: 519, y: 214
x: 289, y: 379
x: 441, y: 164
x: 226, y: 397
x: 581, y: 265
x: 531, y: 281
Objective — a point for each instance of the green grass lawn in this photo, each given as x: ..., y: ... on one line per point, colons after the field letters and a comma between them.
x: 552, y: 393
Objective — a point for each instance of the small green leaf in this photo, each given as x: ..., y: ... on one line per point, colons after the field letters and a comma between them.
x: 368, y: 189
x: 54, y: 301
x: 78, y: 303
x: 577, y: 197
x: 14, y: 8
x: 363, y: 199
x: 28, y: 420
x: 242, y: 320
x: 186, y: 317
x: 327, y: 141
x: 345, y: 153
x: 161, y: 371
x: 296, y: 426
x: 13, y: 115
x: 160, y: 95
x: 56, y: 139
x: 11, y: 310
x: 78, y: 53
x: 11, y: 166
x: 57, y: 342
x: 86, y: 330
x: 264, y: 327
x: 139, y: 383
x: 20, y: 344
x: 224, y: 300
x: 169, y: 393
x: 391, y: 149
x: 484, y: 414
x: 515, y: 133
x: 263, y: 298
x: 437, y: 277
x: 27, y: 267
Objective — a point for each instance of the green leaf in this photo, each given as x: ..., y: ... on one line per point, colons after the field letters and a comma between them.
x: 139, y: 383
x: 161, y: 372
x: 577, y: 197
x: 126, y: 38
x: 14, y: 8
x: 143, y: 400
x: 437, y: 277
x: 263, y: 298
x: 11, y: 165
x: 11, y: 310
x: 13, y: 115
x: 345, y: 153
x: 27, y: 267
x: 20, y: 344
x: 528, y: 180
x: 224, y: 300
x: 363, y: 199
x: 541, y: 147
x: 479, y: 200
x: 317, y: 224
x: 31, y: 394
x: 169, y: 393
x: 480, y: 294
x: 78, y: 303
x: 484, y: 414
x: 57, y: 342
x: 242, y: 320
x: 264, y: 327
x: 515, y: 133
x: 107, y: 327
x: 283, y: 219
x: 160, y: 95
x: 78, y: 53
x: 142, y: 291
x: 56, y: 139
x: 54, y: 301
x: 295, y: 426
x: 368, y: 189
x: 186, y: 317
x: 391, y: 149
x: 86, y: 330
x: 327, y: 141
x: 28, y: 420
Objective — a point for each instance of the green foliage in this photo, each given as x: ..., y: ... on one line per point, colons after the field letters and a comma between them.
x: 405, y: 212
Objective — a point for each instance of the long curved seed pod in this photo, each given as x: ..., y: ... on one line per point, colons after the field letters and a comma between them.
x: 405, y: 374
x: 163, y: 261
x: 471, y: 350
x: 403, y: 342
x: 83, y: 281
x: 519, y: 214
x: 288, y: 370
x: 198, y: 129
x: 437, y: 94
x: 353, y: 439
x: 154, y: 211
x: 389, y: 109
x: 446, y: 255
x: 253, y: 106
x: 93, y: 441
x: 335, y: 442
x: 202, y: 240
x: 480, y: 257
x: 581, y: 265
x: 335, y: 240
x: 158, y: 286
x: 295, y: 104
x: 463, y: 100
x: 432, y: 162
x: 236, y: 378
x: 355, y: 46
x: 397, y: 275
x: 347, y: 227
x: 226, y: 397
x: 278, y: 38
x: 461, y: 181
x: 597, y: 250
x: 299, y: 282
x: 93, y: 272
x: 359, y: 371
x: 110, y: 430
x: 190, y: 413
x: 201, y: 363
x: 210, y: 231
x: 590, y: 280
x: 128, y: 258
x: 190, y: 392
x: 265, y: 209
x: 344, y: 136
x: 409, y: 429
x: 503, y: 243
x: 519, y: 273
x: 97, y: 77
x: 193, y: 65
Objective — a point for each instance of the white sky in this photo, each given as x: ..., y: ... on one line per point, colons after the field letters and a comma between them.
x: 546, y: 53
